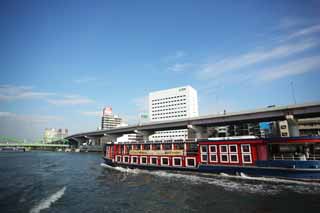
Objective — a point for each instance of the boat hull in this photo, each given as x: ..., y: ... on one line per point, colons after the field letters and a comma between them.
x: 287, y: 173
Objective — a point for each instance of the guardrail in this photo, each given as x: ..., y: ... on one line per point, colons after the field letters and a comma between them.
x: 295, y: 157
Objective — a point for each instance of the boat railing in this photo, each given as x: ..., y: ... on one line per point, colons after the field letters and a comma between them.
x: 295, y: 157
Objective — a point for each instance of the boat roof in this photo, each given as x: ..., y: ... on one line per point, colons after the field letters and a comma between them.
x: 224, y: 139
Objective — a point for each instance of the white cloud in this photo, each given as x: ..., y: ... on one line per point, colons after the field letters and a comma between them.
x: 70, y: 100
x: 180, y: 67
x: 305, y: 31
x: 11, y: 92
x: 29, y: 118
x: 292, y: 68
x: 216, y: 69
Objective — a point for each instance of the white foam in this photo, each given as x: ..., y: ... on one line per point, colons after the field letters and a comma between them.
x: 263, y: 185
x: 46, y: 203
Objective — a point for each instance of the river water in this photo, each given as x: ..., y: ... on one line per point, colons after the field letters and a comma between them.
x: 77, y: 182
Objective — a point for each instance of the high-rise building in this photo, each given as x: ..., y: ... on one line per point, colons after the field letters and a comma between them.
x: 109, y: 120
x: 170, y: 104
x: 51, y: 135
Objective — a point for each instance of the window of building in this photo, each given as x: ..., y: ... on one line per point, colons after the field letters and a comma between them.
x: 283, y: 126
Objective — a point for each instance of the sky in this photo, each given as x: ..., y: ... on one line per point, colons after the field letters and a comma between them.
x: 62, y: 61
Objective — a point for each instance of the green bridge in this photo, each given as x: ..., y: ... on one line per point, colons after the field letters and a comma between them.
x: 37, y: 146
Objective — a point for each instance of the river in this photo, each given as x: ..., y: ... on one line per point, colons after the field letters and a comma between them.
x: 40, y: 181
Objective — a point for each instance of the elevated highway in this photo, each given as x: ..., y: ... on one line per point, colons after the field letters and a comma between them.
x: 199, y: 124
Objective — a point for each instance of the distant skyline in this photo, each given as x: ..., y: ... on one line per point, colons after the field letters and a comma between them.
x: 62, y: 62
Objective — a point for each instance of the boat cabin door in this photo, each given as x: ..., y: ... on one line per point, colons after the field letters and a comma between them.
x: 204, y: 154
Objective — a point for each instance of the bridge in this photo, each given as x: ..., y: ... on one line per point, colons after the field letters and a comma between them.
x: 37, y: 146
x: 197, y: 126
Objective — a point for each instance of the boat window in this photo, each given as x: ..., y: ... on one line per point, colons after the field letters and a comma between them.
x: 213, y: 158
x: 191, y: 162
x: 180, y: 146
x: 192, y: 148
x: 213, y: 148
x: 167, y: 146
x: 156, y: 147
x: 154, y: 160
x: 122, y: 149
x: 129, y: 147
x: 224, y: 157
x: 203, y: 148
x: 126, y: 159
x: 234, y: 158
x: 143, y: 160
x: 245, y: 148
x: 134, y: 159
x: 246, y: 158
x: 204, y: 157
x: 164, y: 161
x: 147, y: 146
x: 213, y: 153
x: 138, y: 146
x: 177, y: 162
x: 233, y: 149
x: 246, y: 153
x: 118, y: 158
x: 223, y: 149
x: 204, y: 154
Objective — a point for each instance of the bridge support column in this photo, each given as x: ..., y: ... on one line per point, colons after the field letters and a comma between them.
x: 292, y: 126
x: 95, y: 141
x: 197, y: 132
x: 79, y: 142
x: 145, y: 134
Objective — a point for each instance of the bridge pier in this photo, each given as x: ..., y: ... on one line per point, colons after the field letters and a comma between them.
x: 78, y: 141
x: 292, y: 126
x: 145, y: 134
x: 197, y: 132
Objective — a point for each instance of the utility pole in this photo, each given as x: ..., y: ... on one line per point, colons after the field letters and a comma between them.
x: 293, y: 94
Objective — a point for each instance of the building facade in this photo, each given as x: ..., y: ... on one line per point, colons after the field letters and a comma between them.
x: 52, y: 134
x: 309, y: 126
x: 108, y: 120
x: 171, y: 104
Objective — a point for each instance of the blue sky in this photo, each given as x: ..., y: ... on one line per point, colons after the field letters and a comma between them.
x: 63, y: 61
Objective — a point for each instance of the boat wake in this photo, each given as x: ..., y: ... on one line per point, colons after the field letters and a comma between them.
x: 46, y: 203
x: 242, y: 182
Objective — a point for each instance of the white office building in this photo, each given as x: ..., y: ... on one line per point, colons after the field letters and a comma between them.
x: 171, y: 104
